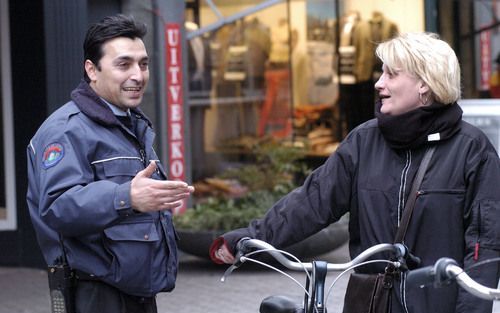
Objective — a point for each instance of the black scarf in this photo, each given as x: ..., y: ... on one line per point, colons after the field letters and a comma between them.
x: 411, y: 129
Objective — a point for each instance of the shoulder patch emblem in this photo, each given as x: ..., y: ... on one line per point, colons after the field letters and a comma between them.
x: 52, y: 154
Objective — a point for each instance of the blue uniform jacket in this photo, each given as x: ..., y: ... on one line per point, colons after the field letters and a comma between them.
x: 80, y: 164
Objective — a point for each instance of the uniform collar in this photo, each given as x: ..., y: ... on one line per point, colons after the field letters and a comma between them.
x: 96, y: 108
x: 116, y: 110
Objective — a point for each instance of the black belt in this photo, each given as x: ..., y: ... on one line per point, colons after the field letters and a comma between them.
x: 79, y: 275
x: 85, y: 276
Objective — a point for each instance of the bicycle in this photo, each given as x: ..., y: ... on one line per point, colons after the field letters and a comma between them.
x: 315, y: 297
x: 446, y: 270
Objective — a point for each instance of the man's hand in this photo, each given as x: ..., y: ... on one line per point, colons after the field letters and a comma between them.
x: 148, y: 195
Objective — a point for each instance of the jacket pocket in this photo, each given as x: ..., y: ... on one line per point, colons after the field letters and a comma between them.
x: 442, y: 191
x: 117, y: 169
x: 439, y: 201
x: 122, y: 167
x: 487, y: 224
x: 434, y: 207
x: 131, y: 246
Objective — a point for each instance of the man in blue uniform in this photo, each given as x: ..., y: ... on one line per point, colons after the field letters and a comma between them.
x: 98, y: 196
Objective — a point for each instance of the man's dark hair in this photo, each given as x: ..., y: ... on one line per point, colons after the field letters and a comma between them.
x: 109, y: 28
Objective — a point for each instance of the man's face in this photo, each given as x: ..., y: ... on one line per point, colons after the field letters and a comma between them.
x: 122, y: 73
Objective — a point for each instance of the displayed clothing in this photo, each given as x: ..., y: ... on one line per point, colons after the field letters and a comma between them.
x: 381, y: 30
x: 356, y: 45
x: 322, y: 87
x: 347, y: 49
x: 356, y: 102
x: 357, y: 55
x: 275, y: 115
x: 231, y: 115
x: 258, y: 40
x: 280, y: 43
x: 196, y: 61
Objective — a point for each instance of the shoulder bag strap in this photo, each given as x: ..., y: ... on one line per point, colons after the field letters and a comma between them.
x: 410, y: 202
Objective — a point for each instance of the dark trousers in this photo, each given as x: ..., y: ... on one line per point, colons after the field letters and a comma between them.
x: 357, y: 103
x: 95, y: 296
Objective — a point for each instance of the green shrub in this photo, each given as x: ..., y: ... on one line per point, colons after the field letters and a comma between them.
x: 276, y: 171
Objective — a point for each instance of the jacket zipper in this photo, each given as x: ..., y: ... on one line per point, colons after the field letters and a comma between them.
x: 402, y: 187
x: 142, y: 148
x: 426, y: 192
x: 402, y: 286
x: 143, y: 157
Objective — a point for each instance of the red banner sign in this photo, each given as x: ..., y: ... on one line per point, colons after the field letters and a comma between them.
x: 485, y: 46
x: 175, y: 105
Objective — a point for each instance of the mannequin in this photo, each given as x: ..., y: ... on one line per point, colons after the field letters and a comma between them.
x: 381, y: 30
x: 196, y: 59
x: 280, y: 41
x: 357, y: 95
x: 356, y: 64
x: 275, y: 114
x: 347, y: 49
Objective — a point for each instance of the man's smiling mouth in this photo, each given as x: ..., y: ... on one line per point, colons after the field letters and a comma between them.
x: 136, y: 89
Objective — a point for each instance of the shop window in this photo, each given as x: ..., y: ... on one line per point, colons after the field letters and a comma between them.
x: 7, y: 178
x: 298, y: 72
x: 487, y: 48
x: 268, y: 75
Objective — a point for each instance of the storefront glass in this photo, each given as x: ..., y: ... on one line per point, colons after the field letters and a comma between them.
x: 487, y: 47
x: 479, y: 52
x: 300, y: 72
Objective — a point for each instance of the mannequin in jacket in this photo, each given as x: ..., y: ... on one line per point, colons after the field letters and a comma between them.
x: 370, y: 175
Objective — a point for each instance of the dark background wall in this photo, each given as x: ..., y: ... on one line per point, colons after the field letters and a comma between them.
x: 29, y: 107
x: 47, y: 63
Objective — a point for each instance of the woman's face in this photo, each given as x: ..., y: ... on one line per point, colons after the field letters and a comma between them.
x: 399, y: 91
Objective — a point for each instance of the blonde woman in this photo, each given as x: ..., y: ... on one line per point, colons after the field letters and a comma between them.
x: 370, y: 175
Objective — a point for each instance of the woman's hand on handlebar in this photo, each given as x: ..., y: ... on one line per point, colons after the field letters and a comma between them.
x: 224, y: 255
x: 220, y: 253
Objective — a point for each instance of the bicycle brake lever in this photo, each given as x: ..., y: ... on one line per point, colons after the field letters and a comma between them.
x: 239, y: 259
x: 241, y: 249
x: 228, y: 272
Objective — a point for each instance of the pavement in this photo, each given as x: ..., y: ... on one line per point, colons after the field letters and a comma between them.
x: 198, y: 289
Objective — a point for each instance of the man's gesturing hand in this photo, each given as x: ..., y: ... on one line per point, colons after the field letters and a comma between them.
x: 147, y: 194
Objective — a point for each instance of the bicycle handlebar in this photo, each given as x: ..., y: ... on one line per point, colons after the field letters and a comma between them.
x: 441, y: 273
x: 246, y: 245
x: 446, y: 270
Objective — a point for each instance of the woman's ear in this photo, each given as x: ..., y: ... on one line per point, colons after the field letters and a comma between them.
x: 423, y: 88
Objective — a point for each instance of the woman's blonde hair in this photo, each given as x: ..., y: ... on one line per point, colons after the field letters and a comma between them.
x: 427, y: 57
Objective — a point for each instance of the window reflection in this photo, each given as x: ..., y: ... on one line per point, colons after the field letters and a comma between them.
x: 240, y: 78
x: 300, y: 73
